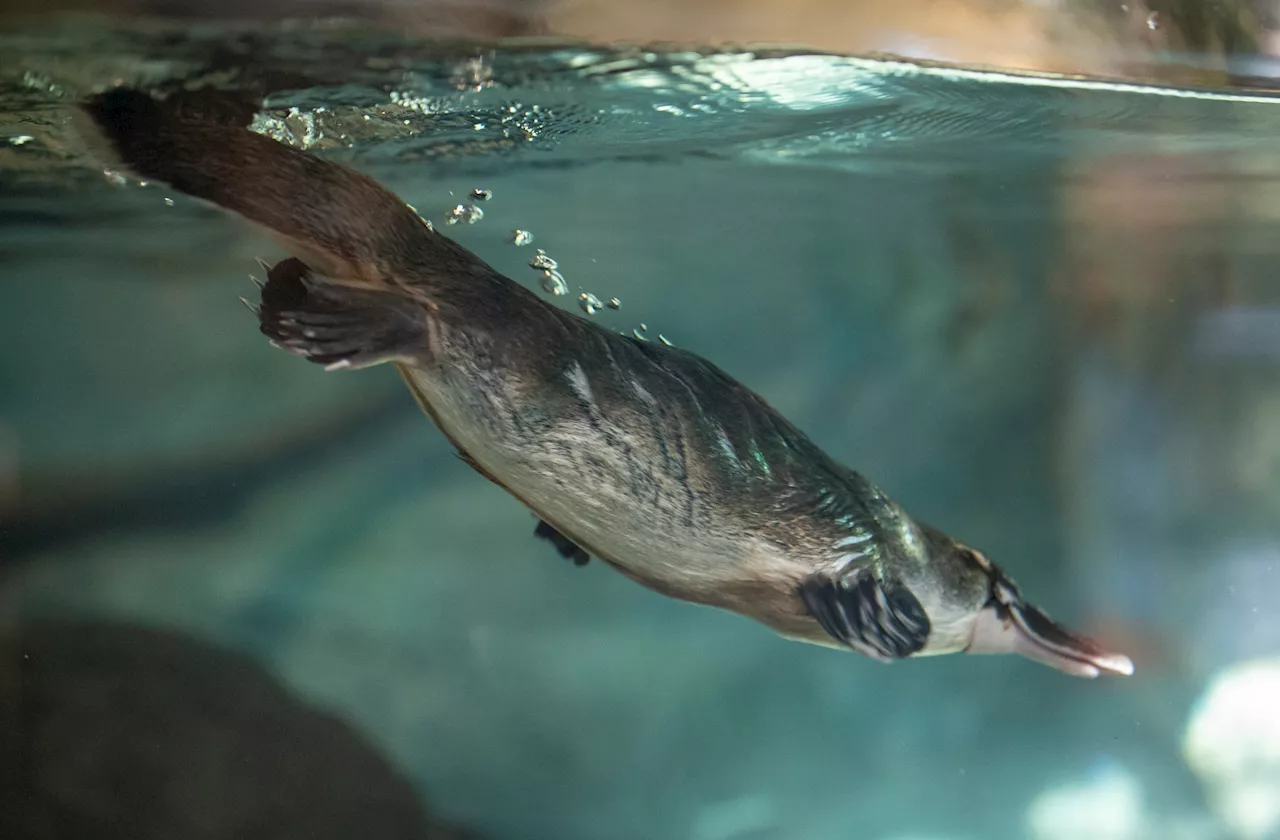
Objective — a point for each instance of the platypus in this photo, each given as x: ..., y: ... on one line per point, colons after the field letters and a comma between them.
x: 645, y: 456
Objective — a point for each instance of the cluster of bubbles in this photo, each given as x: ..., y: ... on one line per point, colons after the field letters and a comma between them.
x: 553, y: 282
x: 642, y: 333
x: 472, y: 74
x: 469, y: 212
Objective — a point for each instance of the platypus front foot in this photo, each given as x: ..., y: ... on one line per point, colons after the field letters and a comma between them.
x: 567, y: 548
x: 881, y: 619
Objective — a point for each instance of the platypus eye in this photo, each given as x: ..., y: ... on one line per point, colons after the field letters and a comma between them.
x: 1002, y: 590
x: 976, y: 558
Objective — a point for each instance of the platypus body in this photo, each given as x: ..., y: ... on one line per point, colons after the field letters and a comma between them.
x: 645, y: 456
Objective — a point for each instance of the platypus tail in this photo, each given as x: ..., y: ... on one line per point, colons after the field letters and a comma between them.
x: 338, y: 221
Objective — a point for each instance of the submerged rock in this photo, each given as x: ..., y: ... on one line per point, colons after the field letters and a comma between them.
x: 128, y: 732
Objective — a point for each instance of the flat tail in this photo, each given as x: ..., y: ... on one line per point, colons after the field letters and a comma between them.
x: 337, y: 220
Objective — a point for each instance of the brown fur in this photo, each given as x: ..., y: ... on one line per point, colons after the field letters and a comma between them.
x: 370, y: 242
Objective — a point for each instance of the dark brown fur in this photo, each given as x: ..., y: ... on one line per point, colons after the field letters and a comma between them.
x: 213, y: 160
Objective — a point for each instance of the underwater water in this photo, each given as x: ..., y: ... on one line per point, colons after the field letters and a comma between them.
x: 243, y: 597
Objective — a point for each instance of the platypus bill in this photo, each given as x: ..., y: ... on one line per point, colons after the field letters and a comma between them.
x: 642, y: 455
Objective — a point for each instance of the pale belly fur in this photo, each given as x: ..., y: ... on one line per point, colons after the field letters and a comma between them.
x: 573, y: 473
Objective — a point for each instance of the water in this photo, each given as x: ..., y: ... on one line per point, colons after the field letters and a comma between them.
x: 1040, y: 312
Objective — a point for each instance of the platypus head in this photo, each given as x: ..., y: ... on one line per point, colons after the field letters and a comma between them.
x: 906, y: 589
x: 1006, y: 623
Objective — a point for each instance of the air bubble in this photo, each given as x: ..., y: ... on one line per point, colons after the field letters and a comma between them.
x: 590, y: 303
x: 472, y: 74
x: 542, y: 261
x: 114, y: 178
x: 468, y: 213
x: 422, y: 219
x: 553, y: 283
x: 614, y: 303
x: 21, y: 139
x: 168, y: 201
x: 481, y: 195
x: 1153, y: 20
x: 521, y: 238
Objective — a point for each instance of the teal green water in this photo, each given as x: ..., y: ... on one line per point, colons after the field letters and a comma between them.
x: 1041, y: 313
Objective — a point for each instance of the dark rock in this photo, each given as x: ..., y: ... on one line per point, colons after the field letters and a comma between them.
x: 117, y: 731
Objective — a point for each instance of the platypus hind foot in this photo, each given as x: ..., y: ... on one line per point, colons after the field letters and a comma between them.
x: 338, y: 326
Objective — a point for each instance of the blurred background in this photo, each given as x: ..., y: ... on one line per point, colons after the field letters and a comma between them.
x: 1015, y: 261
x: 1069, y: 36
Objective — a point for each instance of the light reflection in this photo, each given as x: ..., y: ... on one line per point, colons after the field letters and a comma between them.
x: 1232, y: 744
x: 1105, y: 806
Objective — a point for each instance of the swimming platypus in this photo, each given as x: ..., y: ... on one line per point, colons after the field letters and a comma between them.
x: 645, y: 456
